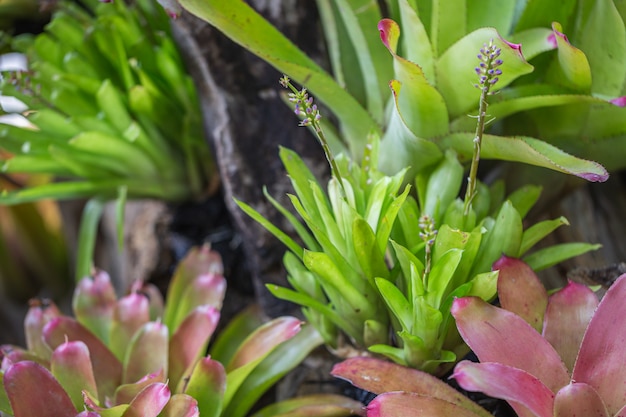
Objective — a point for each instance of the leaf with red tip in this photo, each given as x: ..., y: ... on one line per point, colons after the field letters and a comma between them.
x: 149, y: 402
x: 107, y: 368
x: 497, y: 335
x: 147, y: 353
x: 181, y: 405
x: 38, y: 315
x: 379, y: 376
x: 33, y: 391
x: 508, y: 383
x: 71, y: 366
x: 197, y: 262
x: 572, y: 69
x: 520, y: 291
x: 567, y: 317
x: 409, y: 404
x: 604, y: 347
x: 131, y: 312
x: 93, y: 303
x: 317, y: 405
x: 13, y: 354
x: 206, y: 289
x: 207, y: 385
x: 264, y: 339
x: 579, y: 399
x: 125, y: 393
x: 190, y: 340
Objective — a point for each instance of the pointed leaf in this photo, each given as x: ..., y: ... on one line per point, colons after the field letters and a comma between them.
x: 207, y: 385
x: 420, y: 105
x: 409, y: 404
x: 25, y: 379
x: 147, y: 352
x: 264, y: 339
x: 149, y: 402
x: 131, y: 312
x: 497, y: 335
x: 530, y: 151
x: 190, y: 340
x: 538, y: 231
x: 93, y: 303
x: 181, y: 405
x: 107, y: 368
x: 378, y: 376
x: 603, y: 39
x: 316, y: 405
x: 71, y: 366
x: 520, y: 291
x: 567, y: 317
x: 197, y: 262
x: 573, y: 69
x: 579, y: 399
x: 508, y: 383
x: 552, y: 255
x: 125, y: 393
x: 603, y: 346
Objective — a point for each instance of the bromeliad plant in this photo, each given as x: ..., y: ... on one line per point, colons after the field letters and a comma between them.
x: 111, y: 114
x: 564, y: 94
x: 556, y: 356
x: 135, y: 356
x: 546, y: 356
x: 380, y: 269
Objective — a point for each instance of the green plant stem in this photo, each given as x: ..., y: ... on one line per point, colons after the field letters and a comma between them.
x: 470, y: 193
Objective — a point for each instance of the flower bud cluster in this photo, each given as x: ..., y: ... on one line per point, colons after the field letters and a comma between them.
x: 428, y: 231
x: 488, y: 70
x: 304, y: 107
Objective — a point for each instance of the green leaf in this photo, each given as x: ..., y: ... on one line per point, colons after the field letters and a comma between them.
x: 87, y: 234
x: 246, y: 27
x: 603, y: 40
x: 415, y: 42
x: 238, y: 328
x: 524, y: 198
x: 308, y: 301
x: 274, y: 366
x: 419, y: 104
x: 207, y: 385
x: 496, y: 13
x: 456, y: 75
x: 396, y: 302
x: 279, y: 234
x: 370, y: 258
x: 547, y: 257
x: 302, y: 231
x: 538, y: 231
x: 527, y: 150
x: 120, y: 204
x: 503, y: 236
x: 449, y: 20
x: 319, y: 405
x: 572, y: 68
x: 359, y: 18
x: 440, y: 276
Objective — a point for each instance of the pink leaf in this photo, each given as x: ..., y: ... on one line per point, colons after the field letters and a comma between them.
x: 508, y: 383
x: 181, y: 405
x: 71, y: 366
x: 579, y: 399
x: 107, y: 368
x: 33, y: 391
x: 603, y: 349
x: 408, y: 404
x: 567, y: 317
x: 131, y: 312
x: 389, y: 34
x: 93, y: 303
x: 39, y: 314
x: 379, y: 376
x: 497, y: 335
x: 520, y: 291
x: 190, y: 340
x: 149, y: 402
x: 147, y: 352
x: 264, y: 339
x: 124, y: 394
